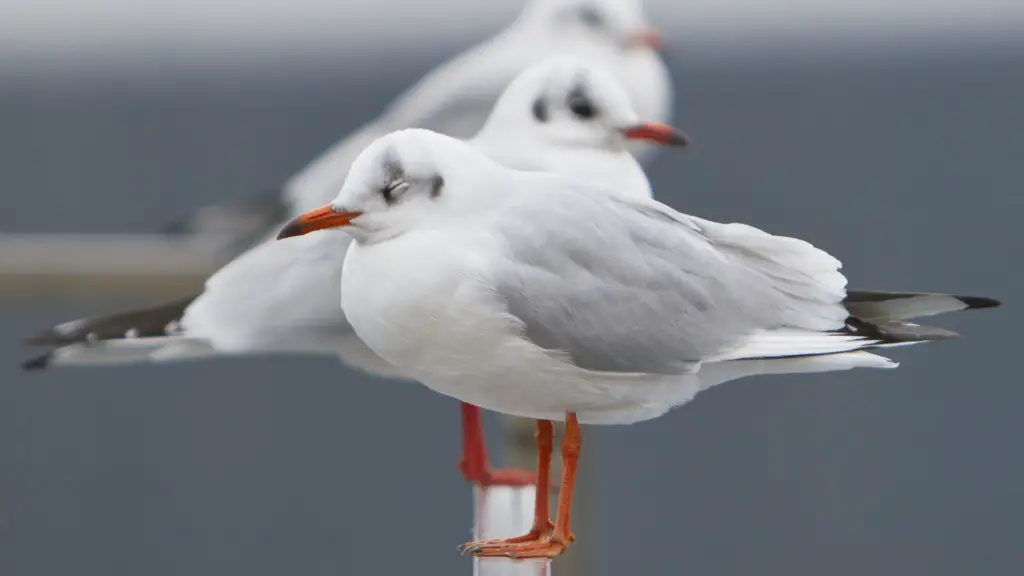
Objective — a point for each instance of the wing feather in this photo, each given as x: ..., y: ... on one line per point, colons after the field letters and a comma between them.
x: 630, y: 285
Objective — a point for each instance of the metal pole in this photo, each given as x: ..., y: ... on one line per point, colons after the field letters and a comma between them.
x: 504, y: 512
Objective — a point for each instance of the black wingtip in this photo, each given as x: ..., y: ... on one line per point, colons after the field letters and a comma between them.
x: 37, y: 363
x: 896, y: 332
x: 154, y: 321
x: 978, y: 302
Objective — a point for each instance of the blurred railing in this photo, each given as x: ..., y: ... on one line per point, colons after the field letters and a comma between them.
x: 76, y: 267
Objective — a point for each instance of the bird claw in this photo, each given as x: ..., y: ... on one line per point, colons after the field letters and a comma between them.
x: 546, y: 548
x: 537, y: 543
x: 533, y: 536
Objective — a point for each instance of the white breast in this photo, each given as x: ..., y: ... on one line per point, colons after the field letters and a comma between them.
x: 417, y: 302
x: 422, y: 303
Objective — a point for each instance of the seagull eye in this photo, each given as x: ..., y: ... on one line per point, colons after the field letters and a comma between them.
x: 581, y: 108
x: 394, y: 190
x: 591, y: 17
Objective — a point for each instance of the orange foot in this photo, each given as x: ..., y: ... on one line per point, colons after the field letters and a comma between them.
x: 488, y: 477
x: 534, y: 535
x: 545, y: 547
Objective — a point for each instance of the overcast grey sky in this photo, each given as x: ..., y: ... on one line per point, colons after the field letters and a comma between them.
x: 62, y: 28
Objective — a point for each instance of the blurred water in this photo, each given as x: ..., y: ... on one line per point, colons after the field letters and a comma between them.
x: 906, y: 169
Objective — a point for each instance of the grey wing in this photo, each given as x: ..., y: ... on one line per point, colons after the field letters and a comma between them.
x: 319, y: 182
x: 628, y: 286
x: 456, y: 98
x: 459, y: 115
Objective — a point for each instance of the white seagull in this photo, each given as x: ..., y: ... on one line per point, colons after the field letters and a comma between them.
x: 456, y: 97
x: 548, y: 298
x: 560, y: 115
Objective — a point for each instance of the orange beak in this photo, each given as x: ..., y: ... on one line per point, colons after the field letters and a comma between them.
x: 661, y: 134
x: 319, y: 219
x: 646, y: 37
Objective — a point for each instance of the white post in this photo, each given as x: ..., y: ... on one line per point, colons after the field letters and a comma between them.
x: 504, y: 512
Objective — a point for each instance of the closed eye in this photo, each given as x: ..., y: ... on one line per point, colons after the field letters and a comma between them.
x: 394, y: 190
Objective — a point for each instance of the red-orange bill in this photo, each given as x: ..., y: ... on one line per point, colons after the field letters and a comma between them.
x: 319, y: 219
x: 662, y: 134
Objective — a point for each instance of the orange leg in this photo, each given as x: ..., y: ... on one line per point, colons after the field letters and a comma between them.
x: 474, y: 465
x: 542, y: 525
x: 555, y: 544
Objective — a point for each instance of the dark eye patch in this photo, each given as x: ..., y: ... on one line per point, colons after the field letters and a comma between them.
x: 393, y: 175
x: 436, y: 185
x: 540, y: 110
x: 389, y: 192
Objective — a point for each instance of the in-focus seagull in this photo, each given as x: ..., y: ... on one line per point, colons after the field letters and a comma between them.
x: 550, y: 298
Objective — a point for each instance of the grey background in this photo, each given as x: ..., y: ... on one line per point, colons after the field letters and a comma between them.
x: 906, y: 166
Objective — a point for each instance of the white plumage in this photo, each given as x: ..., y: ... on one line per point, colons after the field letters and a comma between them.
x: 534, y: 295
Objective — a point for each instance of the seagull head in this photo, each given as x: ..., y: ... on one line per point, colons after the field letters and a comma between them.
x: 617, y: 22
x: 401, y: 180
x: 564, y: 102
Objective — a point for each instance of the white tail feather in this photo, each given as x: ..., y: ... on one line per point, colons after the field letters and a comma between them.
x: 787, y: 342
x: 712, y: 374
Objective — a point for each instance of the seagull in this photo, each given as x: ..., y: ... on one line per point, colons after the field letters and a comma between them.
x: 456, y: 97
x: 561, y: 115
x: 550, y: 298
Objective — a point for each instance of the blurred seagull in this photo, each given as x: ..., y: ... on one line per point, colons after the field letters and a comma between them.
x: 555, y: 299
x: 456, y: 97
x: 560, y: 116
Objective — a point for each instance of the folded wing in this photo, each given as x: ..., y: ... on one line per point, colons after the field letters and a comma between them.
x: 626, y: 285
